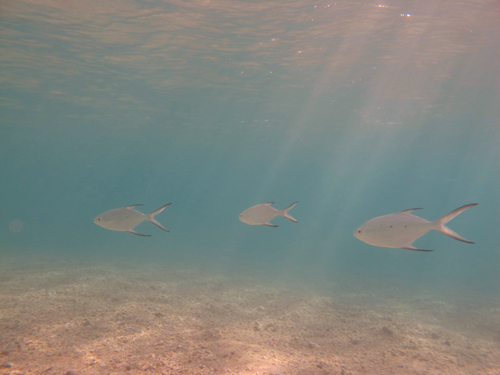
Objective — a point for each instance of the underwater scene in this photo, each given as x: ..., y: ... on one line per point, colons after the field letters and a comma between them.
x: 249, y: 187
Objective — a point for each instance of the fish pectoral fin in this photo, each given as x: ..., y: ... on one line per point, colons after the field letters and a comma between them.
x: 271, y: 225
x: 414, y: 249
x: 138, y: 234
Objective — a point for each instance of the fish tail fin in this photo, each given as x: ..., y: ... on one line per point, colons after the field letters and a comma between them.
x: 285, y: 213
x: 441, y: 227
x: 151, y: 216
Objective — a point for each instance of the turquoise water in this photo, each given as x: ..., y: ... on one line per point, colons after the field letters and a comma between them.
x: 354, y: 109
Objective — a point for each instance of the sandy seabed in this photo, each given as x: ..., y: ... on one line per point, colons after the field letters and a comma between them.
x: 93, y: 318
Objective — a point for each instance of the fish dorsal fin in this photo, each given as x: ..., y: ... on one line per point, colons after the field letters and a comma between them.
x: 410, y: 210
x: 268, y: 203
x: 134, y: 205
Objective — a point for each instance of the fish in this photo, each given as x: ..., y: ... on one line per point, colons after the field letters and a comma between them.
x: 401, y: 229
x: 262, y: 214
x: 125, y: 219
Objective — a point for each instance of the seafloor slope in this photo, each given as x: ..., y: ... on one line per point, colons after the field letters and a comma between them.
x: 93, y: 318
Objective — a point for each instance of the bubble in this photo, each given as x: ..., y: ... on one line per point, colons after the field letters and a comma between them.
x: 16, y: 226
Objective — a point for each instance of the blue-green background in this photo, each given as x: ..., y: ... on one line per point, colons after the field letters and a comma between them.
x: 353, y: 109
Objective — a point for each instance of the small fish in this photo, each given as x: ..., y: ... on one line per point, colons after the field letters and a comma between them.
x: 126, y: 219
x: 263, y: 213
x: 401, y: 229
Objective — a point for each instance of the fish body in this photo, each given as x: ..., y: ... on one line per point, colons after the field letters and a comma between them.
x: 401, y: 229
x: 262, y: 214
x: 125, y: 219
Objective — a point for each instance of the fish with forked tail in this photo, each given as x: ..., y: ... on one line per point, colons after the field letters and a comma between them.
x: 401, y: 229
x: 126, y: 219
x: 262, y: 214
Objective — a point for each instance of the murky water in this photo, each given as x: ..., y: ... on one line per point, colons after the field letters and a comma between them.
x: 354, y: 109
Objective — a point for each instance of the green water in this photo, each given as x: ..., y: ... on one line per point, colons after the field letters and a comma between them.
x: 355, y: 109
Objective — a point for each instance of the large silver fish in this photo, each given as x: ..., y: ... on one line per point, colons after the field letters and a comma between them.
x: 401, y: 229
x: 126, y: 219
x: 262, y: 214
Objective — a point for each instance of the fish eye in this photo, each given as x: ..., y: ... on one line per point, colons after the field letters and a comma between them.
x: 359, y: 231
